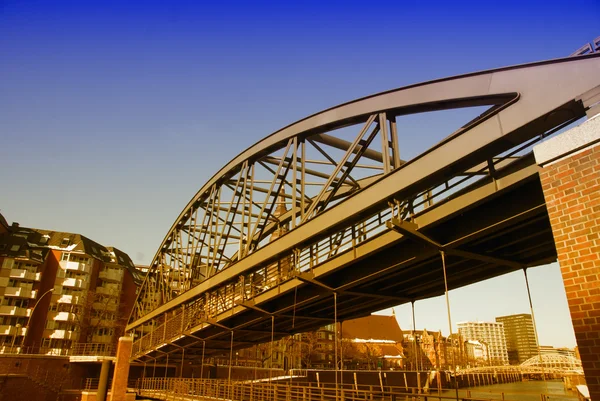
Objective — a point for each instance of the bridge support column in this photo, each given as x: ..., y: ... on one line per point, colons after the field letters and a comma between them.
x: 570, y: 176
x: 103, y: 382
x: 121, y: 374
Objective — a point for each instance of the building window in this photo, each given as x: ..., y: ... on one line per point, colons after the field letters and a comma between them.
x: 65, y: 242
x: 15, y: 248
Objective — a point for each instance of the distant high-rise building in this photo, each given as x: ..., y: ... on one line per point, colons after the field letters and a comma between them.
x: 520, y: 337
x: 491, y: 335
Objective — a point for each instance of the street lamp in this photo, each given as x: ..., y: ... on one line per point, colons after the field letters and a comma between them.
x: 32, y: 311
x: 18, y: 328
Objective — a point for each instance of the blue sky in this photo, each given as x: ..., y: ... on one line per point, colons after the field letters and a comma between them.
x: 113, y: 115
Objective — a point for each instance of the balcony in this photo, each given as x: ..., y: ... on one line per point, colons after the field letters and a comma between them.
x: 65, y: 317
x: 57, y: 351
x: 64, y: 335
x: 7, y: 330
x: 7, y: 310
x: 75, y: 283
x: 20, y: 292
x: 110, y: 291
x: 105, y: 306
x: 71, y: 299
x: 102, y: 339
x: 103, y: 322
x: 8, y: 349
x: 25, y: 275
x: 75, y: 266
x: 113, y: 275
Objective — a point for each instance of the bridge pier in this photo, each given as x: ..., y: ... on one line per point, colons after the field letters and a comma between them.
x: 570, y: 177
x: 121, y: 373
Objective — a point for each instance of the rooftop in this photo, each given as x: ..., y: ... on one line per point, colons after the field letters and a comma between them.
x: 376, y: 328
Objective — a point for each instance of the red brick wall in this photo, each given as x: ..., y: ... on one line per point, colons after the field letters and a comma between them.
x: 127, y: 301
x: 572, y: 191
x: 13, y: 388
x: 121, y: 370
x: 38, y: 320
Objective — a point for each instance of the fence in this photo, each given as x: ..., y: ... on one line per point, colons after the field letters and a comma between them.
x: 79, y: 349
x: 226, y: 296
x: 202, y: 389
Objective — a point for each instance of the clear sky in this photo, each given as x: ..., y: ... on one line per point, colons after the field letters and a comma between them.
x: 113, y: 114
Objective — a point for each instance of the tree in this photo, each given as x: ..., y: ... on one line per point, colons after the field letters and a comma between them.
x: 308, y: 348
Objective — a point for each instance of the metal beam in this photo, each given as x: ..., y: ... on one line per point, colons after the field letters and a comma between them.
x: 374, y: 295
x: 310, y: 279
x: 410, y: 230
x: 529, y: 114
x: 252, y: 306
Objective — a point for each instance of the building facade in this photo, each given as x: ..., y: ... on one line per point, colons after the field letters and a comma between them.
x: 60, y: 291
x: 521, y: 343
x: 476, y: 354
x: 491, y: 335
x: 549, y: 349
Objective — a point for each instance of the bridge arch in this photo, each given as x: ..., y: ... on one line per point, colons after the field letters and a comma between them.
x: 220, y: 254
x: 555, y: 362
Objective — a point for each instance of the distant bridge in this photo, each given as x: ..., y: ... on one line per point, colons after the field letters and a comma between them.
x: 324, y: 221
x: 524, y: 370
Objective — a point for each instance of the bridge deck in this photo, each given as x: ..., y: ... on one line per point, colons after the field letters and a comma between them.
x: 500, y: 220
x: 482, y: 205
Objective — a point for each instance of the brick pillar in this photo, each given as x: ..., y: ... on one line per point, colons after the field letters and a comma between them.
x: 570, y: 176
x: 121, y: 374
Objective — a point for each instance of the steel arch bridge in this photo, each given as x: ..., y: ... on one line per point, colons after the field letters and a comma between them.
x: 326, y: 209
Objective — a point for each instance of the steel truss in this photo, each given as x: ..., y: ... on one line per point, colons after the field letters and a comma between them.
x: 323, y: 186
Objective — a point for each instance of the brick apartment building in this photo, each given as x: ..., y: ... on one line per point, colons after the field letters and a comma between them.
x: 61, y: 290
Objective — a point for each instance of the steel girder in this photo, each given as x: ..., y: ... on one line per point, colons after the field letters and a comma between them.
x: 279, y: 188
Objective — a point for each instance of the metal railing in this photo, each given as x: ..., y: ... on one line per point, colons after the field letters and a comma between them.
x: 171, y: 389
x: 91, y: 383
x: 224, y: 298
x: 78, y: 349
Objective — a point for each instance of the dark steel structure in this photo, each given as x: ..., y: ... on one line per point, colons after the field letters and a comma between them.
x: 323, y: 220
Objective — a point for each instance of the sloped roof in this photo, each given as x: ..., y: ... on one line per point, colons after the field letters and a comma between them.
x: 3, y: 223
x: 75, y: 243
x: 22, y: 243
x: 122, y: 259
x: 34, y: 244
x: 373, y: 327
x: 391, y: 350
